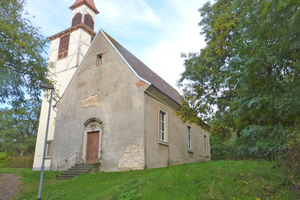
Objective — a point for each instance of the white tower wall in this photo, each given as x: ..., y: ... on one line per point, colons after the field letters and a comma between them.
x: 61, y: 73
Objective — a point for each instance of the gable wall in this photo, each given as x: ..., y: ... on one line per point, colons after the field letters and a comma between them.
x: 176, y: 150
x: 121, y: 110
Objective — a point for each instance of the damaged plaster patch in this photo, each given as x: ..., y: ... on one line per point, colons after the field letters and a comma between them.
x: 90, y: 101
x: 140, y: 83
x: 132, y: 158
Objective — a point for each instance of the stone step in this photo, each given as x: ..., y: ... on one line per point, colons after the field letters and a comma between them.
x: 81, y: 168
x: 84, y: 166
x: 87, y: 164
x: 76, y: 170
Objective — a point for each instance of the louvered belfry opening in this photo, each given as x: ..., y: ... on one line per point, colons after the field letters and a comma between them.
x: 63, y: 47
x: 76, y: 19
x: 88, y: 20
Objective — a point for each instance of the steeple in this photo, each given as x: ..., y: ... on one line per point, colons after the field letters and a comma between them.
x: 89, y: 3
x: 84, y: 12
x: 67, y: 49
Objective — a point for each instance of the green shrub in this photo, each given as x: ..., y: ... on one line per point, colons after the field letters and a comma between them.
x: 132, y: 195
x: 17, y: 161
x: 223, y: 150
x: 291, y: 162
x: 4, y: 159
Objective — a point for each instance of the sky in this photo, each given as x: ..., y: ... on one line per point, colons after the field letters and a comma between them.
x: 155, y: 31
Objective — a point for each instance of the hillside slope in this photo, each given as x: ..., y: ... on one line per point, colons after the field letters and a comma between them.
x: 256, y: 180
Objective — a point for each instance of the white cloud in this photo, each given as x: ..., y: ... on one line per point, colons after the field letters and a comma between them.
x: 127, y: 13
x: 156, y: 32
x: 51, y: 16
x: 182, y: 35
x: 165, y: 59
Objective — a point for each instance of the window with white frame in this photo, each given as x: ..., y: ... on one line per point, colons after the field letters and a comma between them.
x: 162, y: 126
x: 189, y: 134
x: 205, y: 145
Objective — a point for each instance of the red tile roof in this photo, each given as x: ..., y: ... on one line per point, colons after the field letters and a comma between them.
x: 146, y: 73
x: 89, y: 3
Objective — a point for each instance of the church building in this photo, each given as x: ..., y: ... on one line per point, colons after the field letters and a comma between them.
x: 113, y: 109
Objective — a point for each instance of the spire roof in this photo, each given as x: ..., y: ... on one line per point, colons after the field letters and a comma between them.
x: 89, y: 3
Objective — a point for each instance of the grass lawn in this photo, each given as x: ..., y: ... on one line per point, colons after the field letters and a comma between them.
x: 227, y: 180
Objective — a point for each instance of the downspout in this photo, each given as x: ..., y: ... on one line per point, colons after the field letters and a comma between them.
x: 168, y: 132
x: 145, y: 133
x: 168, y: 154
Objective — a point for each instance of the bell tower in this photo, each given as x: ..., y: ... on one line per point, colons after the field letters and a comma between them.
x: 67, y: 49
x: 84, y: 11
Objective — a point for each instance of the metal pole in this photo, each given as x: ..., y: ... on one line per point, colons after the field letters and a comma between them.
x: 44, y: 153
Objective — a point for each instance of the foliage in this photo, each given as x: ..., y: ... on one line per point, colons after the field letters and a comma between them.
x: 17, y: 161
x: 246, y: 81
x: 22, y: 66
x: 129, y: 195
x: 18, y: 127
x: 4, y: 158
x: 209, y: 180
x: 291, y: 162
x: 223, y: 150
x: 282, y: 4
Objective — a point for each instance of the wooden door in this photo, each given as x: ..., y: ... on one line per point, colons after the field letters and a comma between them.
x: 92, y: 147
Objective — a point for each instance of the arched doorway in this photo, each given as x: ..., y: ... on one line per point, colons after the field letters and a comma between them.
x: 92, y: 140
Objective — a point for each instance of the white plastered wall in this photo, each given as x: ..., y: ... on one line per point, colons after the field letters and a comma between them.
x: 62, y: 73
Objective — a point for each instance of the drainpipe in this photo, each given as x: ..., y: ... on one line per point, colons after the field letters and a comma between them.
x: 145, y: 133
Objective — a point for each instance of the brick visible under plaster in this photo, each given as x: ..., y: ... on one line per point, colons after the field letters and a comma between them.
x: 90, y: 101
x: 132, y: 158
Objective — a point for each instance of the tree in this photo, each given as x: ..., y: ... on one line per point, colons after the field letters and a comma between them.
x: 283, y: 4
x: 246, y: 82
x: 22, y: 66
x: 18, y: 127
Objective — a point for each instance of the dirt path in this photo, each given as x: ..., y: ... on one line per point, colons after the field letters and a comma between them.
x: 9, y: 186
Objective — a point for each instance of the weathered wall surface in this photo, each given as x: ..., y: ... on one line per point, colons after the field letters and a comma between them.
x: 119, y: 105
x: 175, y: 150
x: 132, y: 158
x: 62, y: 72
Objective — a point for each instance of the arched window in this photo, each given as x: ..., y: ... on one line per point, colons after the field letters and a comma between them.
x: 76, y: 19
x: 88, y: 20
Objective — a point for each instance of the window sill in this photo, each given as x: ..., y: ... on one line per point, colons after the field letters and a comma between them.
x: 163, y: 143
x: 48, y: 157
x: 190, y: 151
